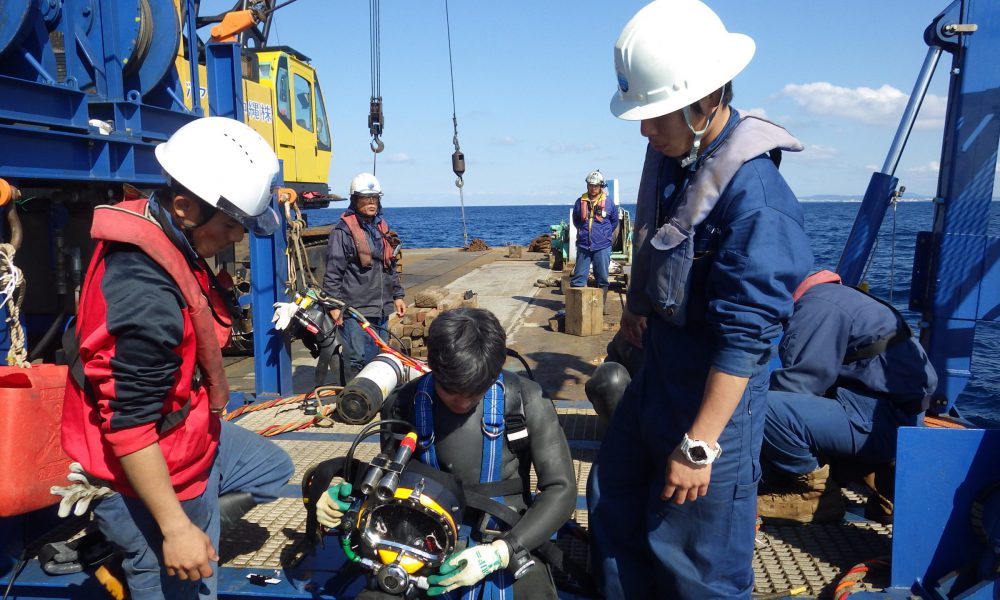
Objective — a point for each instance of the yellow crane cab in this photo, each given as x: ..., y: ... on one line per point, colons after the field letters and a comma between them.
x: 300, y: 124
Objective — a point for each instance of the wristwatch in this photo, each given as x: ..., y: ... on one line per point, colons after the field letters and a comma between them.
x: 520, y: 559
x: 698, y: 452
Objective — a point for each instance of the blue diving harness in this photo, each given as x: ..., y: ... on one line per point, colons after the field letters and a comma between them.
x: 499, y: 584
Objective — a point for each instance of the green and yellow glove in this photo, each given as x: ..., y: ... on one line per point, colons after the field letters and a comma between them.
x: 331, y: 505
x: 469, y: 567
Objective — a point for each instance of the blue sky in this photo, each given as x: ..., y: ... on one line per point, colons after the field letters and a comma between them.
x: 533, y: 80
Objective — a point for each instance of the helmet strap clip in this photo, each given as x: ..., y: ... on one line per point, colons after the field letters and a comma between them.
x: 692, y: 154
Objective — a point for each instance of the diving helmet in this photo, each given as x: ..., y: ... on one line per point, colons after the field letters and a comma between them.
x: 405, y: 536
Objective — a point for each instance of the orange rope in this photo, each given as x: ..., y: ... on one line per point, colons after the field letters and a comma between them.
x: 278, y: 428
x: 851, y: 580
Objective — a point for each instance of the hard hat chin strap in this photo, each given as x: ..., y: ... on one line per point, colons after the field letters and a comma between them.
x: 692, y: 154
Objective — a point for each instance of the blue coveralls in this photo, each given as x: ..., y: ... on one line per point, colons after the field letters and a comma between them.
x: 865, y: 401
x: 593, y: 244
x: 755, y: 253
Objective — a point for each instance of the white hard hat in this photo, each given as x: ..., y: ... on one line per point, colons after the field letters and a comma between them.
x: 672, y: 54
x: 365, y: 184
x: 595, y: 178
x: 226, y: 164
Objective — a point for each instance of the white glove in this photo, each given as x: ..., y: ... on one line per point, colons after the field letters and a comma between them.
x: 469, y: 567
x: 283, y: 313
x: 330, y: 507
x: 80, y: 492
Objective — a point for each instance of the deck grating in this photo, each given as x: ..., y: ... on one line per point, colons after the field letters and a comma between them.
x: 787, y: 557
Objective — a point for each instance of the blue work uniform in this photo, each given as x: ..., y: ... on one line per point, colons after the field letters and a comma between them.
x: 594, y: 235
x: 822, y: 405
x: 749, y: 254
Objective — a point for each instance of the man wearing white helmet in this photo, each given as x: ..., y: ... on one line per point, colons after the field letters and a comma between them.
x: 147, y: 387
x: 720, y: 249
x: 595, y: 217
x: 361, y: 271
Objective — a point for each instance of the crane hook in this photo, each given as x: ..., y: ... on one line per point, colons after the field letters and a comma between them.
x: 377, y: 145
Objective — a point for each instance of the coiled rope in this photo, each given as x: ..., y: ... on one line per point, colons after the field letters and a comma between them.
x: 300, y: 275
x: 12, y: 294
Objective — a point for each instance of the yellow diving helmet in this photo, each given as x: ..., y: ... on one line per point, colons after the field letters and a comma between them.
x: 406, y: 536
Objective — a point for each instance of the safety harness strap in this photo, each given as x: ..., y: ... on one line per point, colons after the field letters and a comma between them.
x: 873, y: 349
x: 498, y: 586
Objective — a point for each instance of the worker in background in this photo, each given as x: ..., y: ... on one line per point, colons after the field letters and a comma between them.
x: 595, y: 218
x: 720, y: 248
x: 451, y: 410
x: 851, y: 374
x: 147, y: 387
x: 361, y: 271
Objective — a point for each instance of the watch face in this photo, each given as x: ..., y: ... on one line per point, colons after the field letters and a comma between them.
x: 698, y: 453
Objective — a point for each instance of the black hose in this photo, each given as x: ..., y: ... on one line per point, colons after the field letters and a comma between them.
x: 527, y: 369
x: 54, y: 330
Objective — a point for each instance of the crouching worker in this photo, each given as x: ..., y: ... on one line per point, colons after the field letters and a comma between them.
x: 147, y: 386
x: 852, y: 374
x: 485, y: 428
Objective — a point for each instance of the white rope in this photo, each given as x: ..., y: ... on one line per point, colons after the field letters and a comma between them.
x: 12, y: 294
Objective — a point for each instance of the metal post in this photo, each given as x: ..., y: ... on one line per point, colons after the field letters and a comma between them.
x: 268, y: 268
x: 912, y: 108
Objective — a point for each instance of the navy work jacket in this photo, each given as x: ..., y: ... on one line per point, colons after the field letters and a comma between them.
x: 831, y: 320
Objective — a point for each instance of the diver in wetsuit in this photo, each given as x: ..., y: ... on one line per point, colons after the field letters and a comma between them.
x: 466, y: 396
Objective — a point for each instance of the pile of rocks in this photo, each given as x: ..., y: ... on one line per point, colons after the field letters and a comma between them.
x: 476, y: 245
x: 427, y: 305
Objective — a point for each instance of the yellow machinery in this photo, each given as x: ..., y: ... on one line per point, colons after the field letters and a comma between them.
x: 284, y: 103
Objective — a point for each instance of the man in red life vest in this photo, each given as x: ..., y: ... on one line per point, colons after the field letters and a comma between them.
x: 361, y: 271
x: 147, y: 386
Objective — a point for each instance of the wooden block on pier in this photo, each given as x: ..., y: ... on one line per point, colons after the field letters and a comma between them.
x: 584, y: 311
x: 514, y: 251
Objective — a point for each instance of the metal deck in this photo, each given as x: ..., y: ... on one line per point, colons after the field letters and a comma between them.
x: 788, y: 558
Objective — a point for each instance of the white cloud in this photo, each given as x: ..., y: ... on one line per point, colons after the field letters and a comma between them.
x: 817, y: 152
x: 504, y: 140
x: 930, y: 168
x: 570, y: 148
x: 400, y: 158
x: 882, y: 106
x: 755, y: 112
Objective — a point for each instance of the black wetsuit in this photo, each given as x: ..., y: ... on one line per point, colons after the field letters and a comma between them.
x: 459, y: 448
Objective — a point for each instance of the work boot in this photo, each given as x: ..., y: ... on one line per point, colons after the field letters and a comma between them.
x: 809, y: 498
x: 882, y: 481
x: 604, y: 299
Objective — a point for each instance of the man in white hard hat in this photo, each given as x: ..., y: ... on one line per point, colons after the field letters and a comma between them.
x: 361, y: 271
x: 595, y: 217
x: 147, y: 387
x: 719, y: 250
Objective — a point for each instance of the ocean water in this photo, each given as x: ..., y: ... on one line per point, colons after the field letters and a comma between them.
x: 827, y: 223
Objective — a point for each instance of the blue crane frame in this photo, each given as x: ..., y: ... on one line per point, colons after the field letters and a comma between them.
x: 46, y: 133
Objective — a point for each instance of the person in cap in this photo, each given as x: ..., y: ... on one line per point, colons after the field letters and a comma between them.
x: 595, y: 218
x: 719, y: 249
x: 361, y: 271
x: 487, y: 427
x: 851, y: 375
x: 142, y: 407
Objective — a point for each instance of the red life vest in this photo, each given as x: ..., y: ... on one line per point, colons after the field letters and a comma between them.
x: 188, y: 435
x: 361, y: 240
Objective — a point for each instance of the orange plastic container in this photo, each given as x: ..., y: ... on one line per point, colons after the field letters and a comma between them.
x: 31, y: 456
